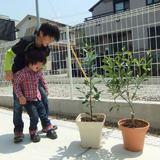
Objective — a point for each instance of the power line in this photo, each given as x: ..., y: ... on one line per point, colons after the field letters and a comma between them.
x: 53, y: 9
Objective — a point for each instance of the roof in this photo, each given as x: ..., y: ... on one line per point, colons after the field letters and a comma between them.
x: 28, y: 16
x: 92, y: 8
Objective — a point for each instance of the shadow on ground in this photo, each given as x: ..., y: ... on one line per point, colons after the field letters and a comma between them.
x: 83, y: 153
x: 120, y: 152
x: 7, y: 144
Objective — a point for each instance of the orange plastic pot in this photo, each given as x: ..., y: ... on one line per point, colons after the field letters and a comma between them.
x: 133, y: 138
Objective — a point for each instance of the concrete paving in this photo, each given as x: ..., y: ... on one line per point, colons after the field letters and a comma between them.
x: 67, y: 146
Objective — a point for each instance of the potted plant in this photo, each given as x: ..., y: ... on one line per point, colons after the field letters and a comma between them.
x: 122, y: 83
x: 90, y: 124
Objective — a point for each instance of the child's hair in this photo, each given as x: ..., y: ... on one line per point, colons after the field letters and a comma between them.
x: 49, y: 29
x: 35, y: 56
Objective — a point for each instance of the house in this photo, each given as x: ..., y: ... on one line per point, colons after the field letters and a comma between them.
x: 134, y: 24
x: 124, y: 21
x: 28, y: 25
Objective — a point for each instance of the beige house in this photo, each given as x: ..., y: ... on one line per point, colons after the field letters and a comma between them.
x: 29, y: 24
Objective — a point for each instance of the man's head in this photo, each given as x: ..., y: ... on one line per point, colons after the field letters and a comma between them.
x: 35, y: 59
x: 48, y: 32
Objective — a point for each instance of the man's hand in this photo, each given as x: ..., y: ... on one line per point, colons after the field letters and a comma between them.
x: 47, y: 92
x: 22, y: 100
x: 9, y: 76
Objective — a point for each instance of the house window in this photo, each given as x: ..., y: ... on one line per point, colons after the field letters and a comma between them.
x: 121, y: 5
x: 152, y: 1
x: 63, y: 36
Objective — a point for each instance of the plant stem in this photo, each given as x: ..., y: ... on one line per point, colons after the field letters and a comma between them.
x: 90, y: 82
x: 132, y: 117
x: 133, y: 123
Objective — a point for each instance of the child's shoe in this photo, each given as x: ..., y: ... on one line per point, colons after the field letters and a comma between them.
x: 54, y: 128
x: 52, y: 134
x: 35, y: 137
x: 18, y: 137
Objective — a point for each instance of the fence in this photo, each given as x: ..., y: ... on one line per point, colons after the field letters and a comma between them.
x: 138, y: 30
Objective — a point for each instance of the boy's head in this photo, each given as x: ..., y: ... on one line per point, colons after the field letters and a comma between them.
x: 48, y: 33
x: 35, y: 59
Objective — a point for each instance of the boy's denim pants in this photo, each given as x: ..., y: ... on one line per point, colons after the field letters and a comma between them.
x: 17, y: 109
x: 36, y: 110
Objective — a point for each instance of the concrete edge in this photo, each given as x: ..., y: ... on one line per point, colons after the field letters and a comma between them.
x: 146, y: 110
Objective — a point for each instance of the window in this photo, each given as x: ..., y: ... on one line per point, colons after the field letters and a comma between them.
x: 152, y: 1
x: 121, y: 5
x: 63, y: 36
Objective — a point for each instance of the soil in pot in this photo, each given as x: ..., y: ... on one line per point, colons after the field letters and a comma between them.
x: 138, y: 124
x: 88, y: 119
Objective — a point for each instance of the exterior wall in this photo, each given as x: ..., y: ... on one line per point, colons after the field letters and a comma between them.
x: 106, y: 7
x: 137, y: 4
x: 103, y: 8
x: 28, y: 24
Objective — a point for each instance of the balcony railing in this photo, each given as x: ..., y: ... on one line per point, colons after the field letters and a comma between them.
x: 105, y: 14
x: 98, y: 16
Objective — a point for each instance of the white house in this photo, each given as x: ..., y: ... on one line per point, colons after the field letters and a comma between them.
x: 29, y: 24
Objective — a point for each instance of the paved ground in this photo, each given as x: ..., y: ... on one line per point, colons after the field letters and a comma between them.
x: 68, y: 146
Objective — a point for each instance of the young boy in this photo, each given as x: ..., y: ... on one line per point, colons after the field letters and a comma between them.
x: 26, y: 88
x: 47, y: 33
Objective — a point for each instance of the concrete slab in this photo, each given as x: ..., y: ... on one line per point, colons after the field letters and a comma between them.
x: 67, y: 146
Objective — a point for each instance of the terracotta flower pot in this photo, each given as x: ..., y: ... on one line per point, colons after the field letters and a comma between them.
x: 133, y: 138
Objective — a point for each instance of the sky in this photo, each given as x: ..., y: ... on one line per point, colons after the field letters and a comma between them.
x: 70, y: 12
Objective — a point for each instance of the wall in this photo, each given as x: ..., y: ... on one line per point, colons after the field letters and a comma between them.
x: 137, y: 3
x: 148, y: 111
x: 103, y: 8
x: 106, y: 7
x: 28, y: 24
x: 143, y: 110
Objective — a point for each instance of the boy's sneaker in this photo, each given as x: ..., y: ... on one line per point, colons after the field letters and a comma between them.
x: 54, y: 128
x: 52, y: 134
x: 35, y: 137
x: 18, y: 137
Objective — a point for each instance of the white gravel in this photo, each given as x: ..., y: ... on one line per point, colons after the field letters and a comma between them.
x: 146, y: 93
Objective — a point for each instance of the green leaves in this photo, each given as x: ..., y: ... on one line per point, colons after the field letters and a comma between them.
x: 120, y: 70
x: 92, y: 94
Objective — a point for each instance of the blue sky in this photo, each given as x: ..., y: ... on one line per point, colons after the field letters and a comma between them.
x: 69, y: 12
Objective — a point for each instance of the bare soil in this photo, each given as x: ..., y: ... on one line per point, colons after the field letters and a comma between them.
x: 138, y: 124
x: 88, y: 119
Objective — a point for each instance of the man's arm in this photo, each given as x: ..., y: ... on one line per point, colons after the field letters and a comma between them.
x: 7, y: 67
x: 16, y: 49
x: 8, y: 60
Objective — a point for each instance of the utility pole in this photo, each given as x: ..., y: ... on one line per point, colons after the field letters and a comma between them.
x: 37, y: 13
